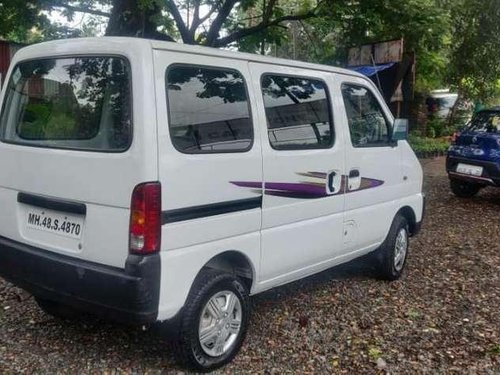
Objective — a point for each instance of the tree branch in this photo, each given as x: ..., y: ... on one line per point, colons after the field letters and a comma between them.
x: 187, y: 37
x: 269, y: 11
x: 261, y: 26
x: 196, y: 17
x: 199, y: 21
x: 213, y: 31
x: 266, y: 22
x: 81, y: 9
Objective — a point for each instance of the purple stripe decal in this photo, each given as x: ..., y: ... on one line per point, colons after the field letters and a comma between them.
x: 249, y: 184
x: 305, y: 190
x: 313, y: 174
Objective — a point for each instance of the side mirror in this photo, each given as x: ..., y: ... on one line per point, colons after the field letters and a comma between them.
x: 400, y: 129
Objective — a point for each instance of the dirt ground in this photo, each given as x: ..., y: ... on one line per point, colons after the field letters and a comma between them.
x: 443, y: 316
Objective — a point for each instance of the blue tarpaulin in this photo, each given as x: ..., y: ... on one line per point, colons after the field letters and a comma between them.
x: 370, y: 70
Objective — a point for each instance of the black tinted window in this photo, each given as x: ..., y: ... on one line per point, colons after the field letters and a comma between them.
x: 367, y: 123
x: 77, y: 103
x: 208, y: 110
x: 297, y: 111
x: 486, y: 121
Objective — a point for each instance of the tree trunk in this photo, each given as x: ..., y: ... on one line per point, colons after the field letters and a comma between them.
x: 129, y: 18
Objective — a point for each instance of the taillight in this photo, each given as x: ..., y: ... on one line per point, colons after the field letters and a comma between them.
x: 145, y: 219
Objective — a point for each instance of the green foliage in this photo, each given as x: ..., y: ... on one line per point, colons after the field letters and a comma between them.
x: 456, y: 42
x: 424, y: 25
x: 29, y: 24
x: 428, y: 145
x: 18, y: 20
x: 438, y: 127
x: 475, y: 57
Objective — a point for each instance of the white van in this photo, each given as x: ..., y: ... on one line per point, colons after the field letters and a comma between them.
x: 149, y: 181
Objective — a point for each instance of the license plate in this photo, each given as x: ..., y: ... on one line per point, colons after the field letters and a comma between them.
x: 59, y: 223
x: 472, y: 170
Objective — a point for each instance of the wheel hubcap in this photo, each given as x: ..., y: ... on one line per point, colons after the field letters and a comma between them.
x: 400, y: 249
x: 220, y: 323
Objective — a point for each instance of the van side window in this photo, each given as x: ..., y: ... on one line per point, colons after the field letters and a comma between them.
x: 367, y: 124
x: 298, y: 113
x: 208, y: 110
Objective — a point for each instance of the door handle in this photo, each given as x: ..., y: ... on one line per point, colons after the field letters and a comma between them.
x: 333, y: 182
x: 331, y: 177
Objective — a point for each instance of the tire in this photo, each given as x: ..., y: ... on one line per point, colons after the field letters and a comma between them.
x: 57, y: 310
x: 464, y: 189
x: 222, y: 290
x: 393, y: 252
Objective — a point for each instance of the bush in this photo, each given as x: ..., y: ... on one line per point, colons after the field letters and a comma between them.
x: 436, y: 127
x: 423, y: 145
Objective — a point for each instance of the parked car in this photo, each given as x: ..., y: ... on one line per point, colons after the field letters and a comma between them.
x: 473, y: 159
x: 147, y: 181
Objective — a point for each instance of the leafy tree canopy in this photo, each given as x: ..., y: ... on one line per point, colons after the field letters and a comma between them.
x: 475, y: 52
x: 456, y: 42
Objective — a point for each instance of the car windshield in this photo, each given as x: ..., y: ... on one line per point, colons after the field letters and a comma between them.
x: 80, y: 103
x: 486, y: 122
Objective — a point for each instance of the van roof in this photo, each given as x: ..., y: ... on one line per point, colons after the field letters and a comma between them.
x: 128, y: 44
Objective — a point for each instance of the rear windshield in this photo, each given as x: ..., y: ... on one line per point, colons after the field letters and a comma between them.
x: 80, y: 103
x: 486, y: 122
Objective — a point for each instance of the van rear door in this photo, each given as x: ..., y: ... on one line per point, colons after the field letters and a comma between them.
x: 67, y: 168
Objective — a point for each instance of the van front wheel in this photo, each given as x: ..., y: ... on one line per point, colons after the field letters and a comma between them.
x: 215, y: 320
x: 394, y: 251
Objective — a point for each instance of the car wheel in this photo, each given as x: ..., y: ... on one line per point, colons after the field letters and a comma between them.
x: 394, y: 250
x: 57, y: 310
x: 214, y: 321
x: 464, y: 189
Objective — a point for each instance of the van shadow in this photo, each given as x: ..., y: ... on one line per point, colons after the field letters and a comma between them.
x: 93, y: 343
x: 358, y: 269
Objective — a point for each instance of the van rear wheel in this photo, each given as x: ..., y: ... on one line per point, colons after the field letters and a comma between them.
x: 464, y: 189
x: 394, y: 250
x: 214, y: 322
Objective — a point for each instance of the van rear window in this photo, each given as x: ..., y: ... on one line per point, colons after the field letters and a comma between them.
x: 80, y: 103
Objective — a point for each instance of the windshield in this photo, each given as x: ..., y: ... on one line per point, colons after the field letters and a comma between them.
x: 486, y: 122
x: 78, y: 103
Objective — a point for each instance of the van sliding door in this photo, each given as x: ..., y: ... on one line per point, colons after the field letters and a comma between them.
x: 303, y: 161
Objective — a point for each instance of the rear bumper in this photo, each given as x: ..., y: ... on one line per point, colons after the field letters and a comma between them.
x: 490, y: 176
x: 127, y: 295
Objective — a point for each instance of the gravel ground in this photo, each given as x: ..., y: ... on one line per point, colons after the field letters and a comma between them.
x: 441, y: 317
